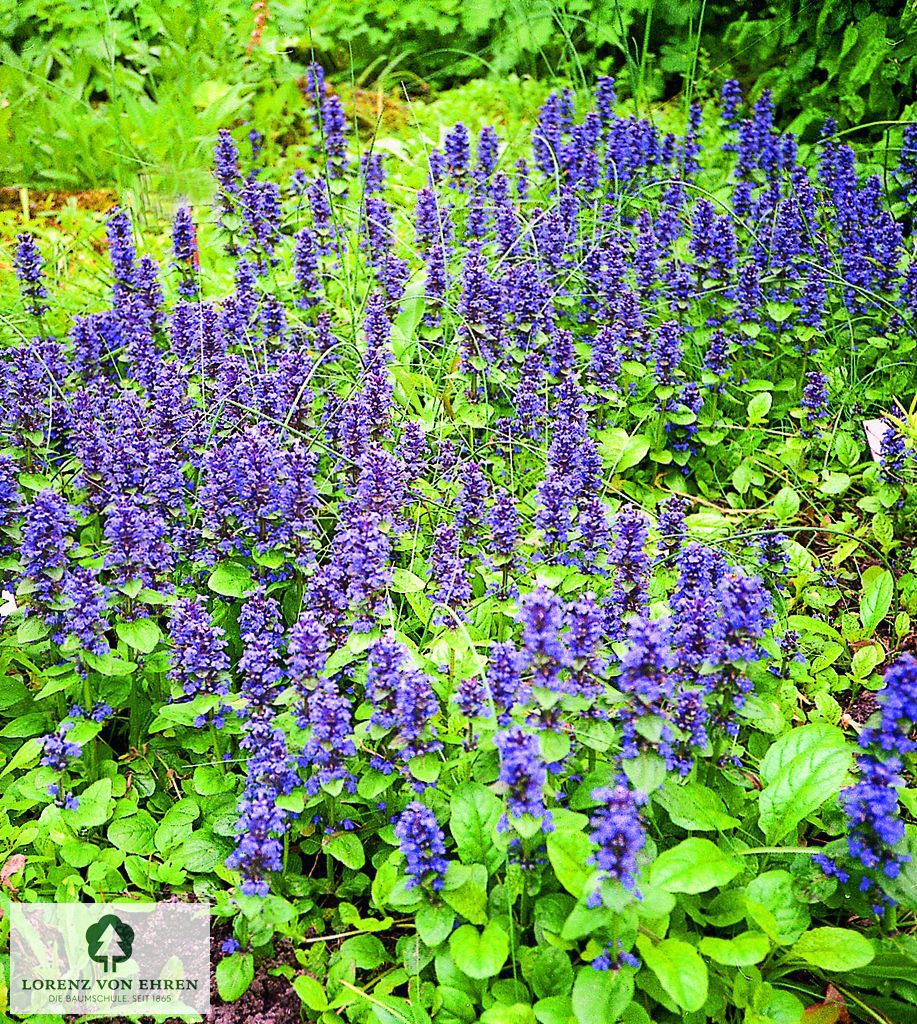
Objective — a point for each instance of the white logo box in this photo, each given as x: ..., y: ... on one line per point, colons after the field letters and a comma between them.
x: 110, y: 958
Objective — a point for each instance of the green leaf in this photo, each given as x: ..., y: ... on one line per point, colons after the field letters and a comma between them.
x: 834, y: 949
x: 465, y: 890
x: 133, y: 834
x: 92, y: 806
x: 548, y: 971
x: 784, y: 751
x: 234, y: 974
x: 554, y: 1010
x: 479, y: 954
x: 426, y: 768
x: 508, y: 1013
x: 775, y: 1006
x: 646, y: 771
x: 786, y: 503
x: 620, y: 451
x: 366, y: 951
x: 346, y: 848
x: 759, y: 407
x: 878, y: 590
x: 434, y: 924
x: 208, y: 780
x: 694, y: 865
x: 847, y: 449
x: 230, y: 579
x: 405, y: 582
x: 108, y: 664
x: 568, y: 853
x: 31, y: 630
x: 473, y: 819
x: 835, y: 483
x: 741, y: 951
x: 679, y: 968
x: 201, y: 852
x: 802, y: 770
x: 141, y: 634
x: 772, y: 904
x: 695, y: 807
x: 600, y: 997
x: 310, y: 992
x: 865, y: 659
x: 391, y: 1010
x: 177, y: 824
x: 26, y: 725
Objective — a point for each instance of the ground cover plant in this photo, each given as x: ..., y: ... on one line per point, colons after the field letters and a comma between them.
x: 469, y: 573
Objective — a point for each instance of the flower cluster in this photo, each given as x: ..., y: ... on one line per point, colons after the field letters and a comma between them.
x: 421, y: 841
x: 875, y: 827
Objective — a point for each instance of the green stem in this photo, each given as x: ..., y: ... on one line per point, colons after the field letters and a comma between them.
x: 87, y: 700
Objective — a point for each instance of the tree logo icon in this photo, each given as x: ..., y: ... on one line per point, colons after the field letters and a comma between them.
x: 110, y: 941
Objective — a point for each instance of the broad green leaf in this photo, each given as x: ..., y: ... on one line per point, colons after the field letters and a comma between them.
x: 802, y: 770
x: 434, y: 923
x: 635, y: 1014
x: 847, y: 449
x: 646, y: 771
x: 679, y: 968
x: 772, y: 904
x: 554, y: 1010
x: 201, y: 852
x: 108, y: 664
x: 568, y: 853
x: 834, y: 949
x: 620, y: 451
x: 600, y: 997
x: 786, y: 503
x: 508, y: 1013
x: 776, y: 1006
x: 31, y: 630
x: 230, y: 579
x: 465, y: 891
x: 27, y: 725
x: 177, y: 824
x: 366, y: 951
x: 741, y: 951
x: 141, y: 634
x: 92, y: 806
x: 695, y: 807
x: 865, y: 659
x: 391, y: 1010
x: 795, y: 743
x: 405, y: 582
x: 310, y: 992
x: 234, y: 974
x: 548, y: 971
x: 878, y: 590
x: 209, y: 780
x: 346, y: 848
x: 760, y: 406
x: 835, y: 483
x: 694, y: 865
x: 479, y: 954
x: 133, y: 834
x: 473, y: 819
